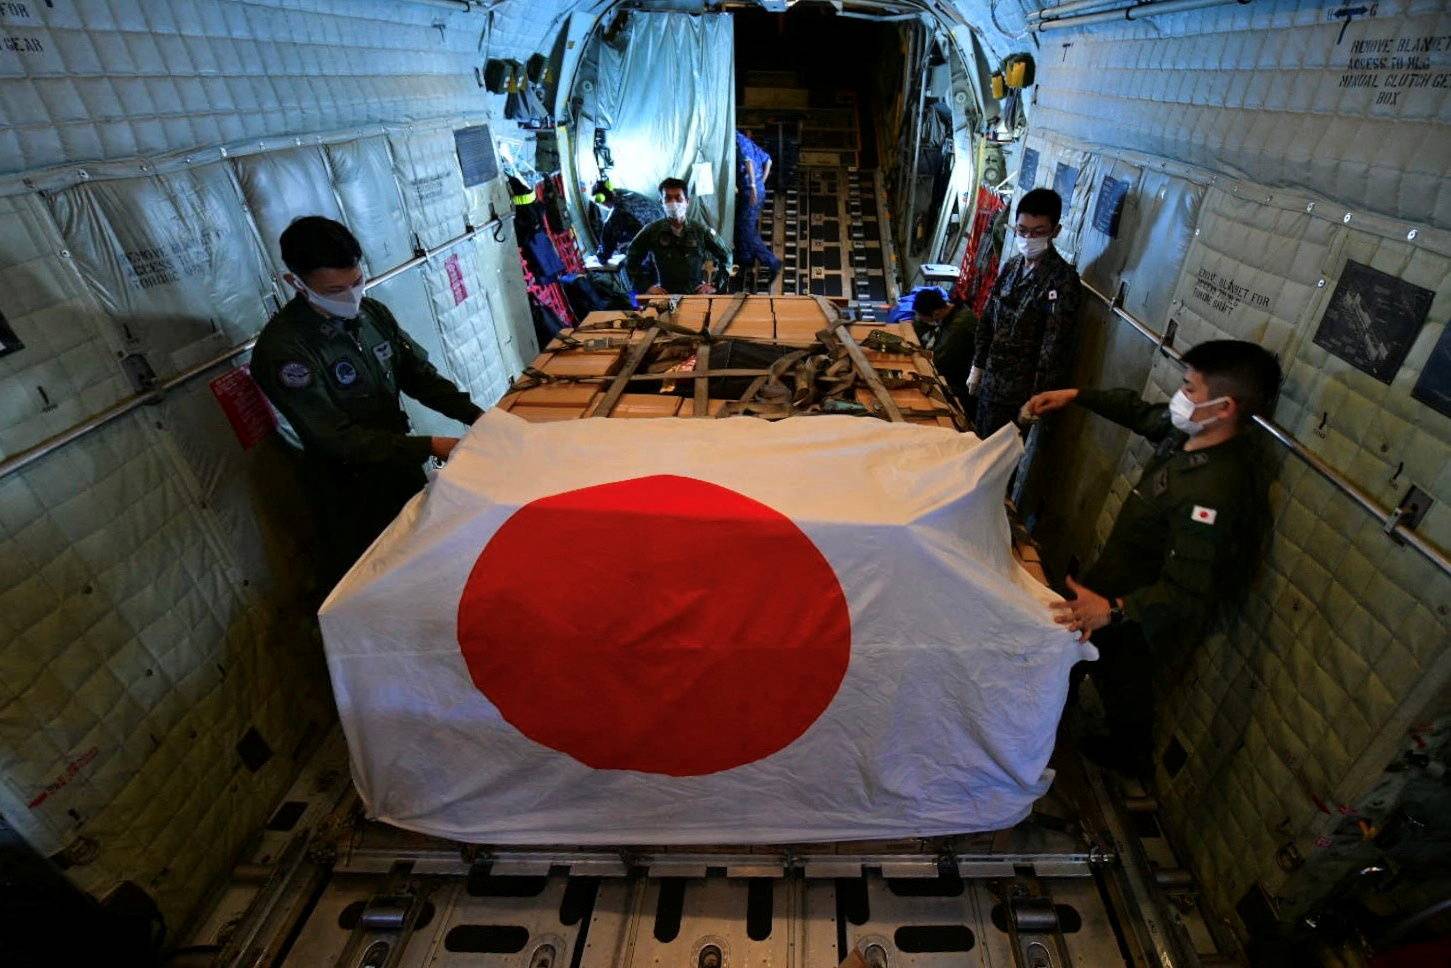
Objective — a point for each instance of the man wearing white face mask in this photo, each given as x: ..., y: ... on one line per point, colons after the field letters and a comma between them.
x: 333, y: 362
x: 675, y: 256
x: 1025, y: 335
x: 1188, y: 537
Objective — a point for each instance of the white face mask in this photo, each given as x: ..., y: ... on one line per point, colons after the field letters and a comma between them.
x: 676, y: 210
x: 1181, y: 412
x: 344, y: 305
x: 1032, y: 248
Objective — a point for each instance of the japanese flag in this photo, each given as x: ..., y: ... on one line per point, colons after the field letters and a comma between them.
x: 701, y: 631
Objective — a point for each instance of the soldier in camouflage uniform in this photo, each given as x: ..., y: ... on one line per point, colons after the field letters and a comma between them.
x: 675, y: 256
x: 1025, y: 336
x: 1187, y: 539
x: 629, y: 213
x: 334, y: 362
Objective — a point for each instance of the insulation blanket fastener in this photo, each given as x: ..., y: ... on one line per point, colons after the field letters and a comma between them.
x: 805, y: 630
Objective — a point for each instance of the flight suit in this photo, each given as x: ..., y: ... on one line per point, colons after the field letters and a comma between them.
x: 750, y: 247
x: 632, y: 212
x: 1183, y: 549
x: 951, y: 347
x: 1025, y: 336
x: 337, y: 383
x: 676, y: 262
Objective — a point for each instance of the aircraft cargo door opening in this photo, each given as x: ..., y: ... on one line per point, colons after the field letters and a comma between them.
x: 814, y: 91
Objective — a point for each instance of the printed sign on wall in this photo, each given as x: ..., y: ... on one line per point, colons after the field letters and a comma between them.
x: 456, y: 279
x: 9, y: 342
x: 1372, y: 320
x: 1065, y: 178
x: 1111, y: 195
x: 1434, y: 386
x: 1028, y: 173
x: 246, y: 408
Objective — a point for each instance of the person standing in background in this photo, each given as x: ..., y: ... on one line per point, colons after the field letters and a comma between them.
x: 753, y: 167
x: 1025, y: 336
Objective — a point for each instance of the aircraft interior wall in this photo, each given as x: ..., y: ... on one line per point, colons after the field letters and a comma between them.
x: 1253, y: 171
x: 161, y: 680
x: 1272, y: 175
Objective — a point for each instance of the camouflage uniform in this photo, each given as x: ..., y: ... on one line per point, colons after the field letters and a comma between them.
x: 676, y: 262
x: 1025, y: 336
x: 1181, y: 551
x: 632, y: 212
x: 337, y: 383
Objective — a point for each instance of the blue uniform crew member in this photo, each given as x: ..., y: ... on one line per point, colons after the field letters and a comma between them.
x: 753, y: 167
x: 675, y: 256
x: 333, y: 362
x: 1188, y: 538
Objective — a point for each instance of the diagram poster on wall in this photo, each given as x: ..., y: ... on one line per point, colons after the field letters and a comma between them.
x: 1434, y: 386
x: 1372, y: 319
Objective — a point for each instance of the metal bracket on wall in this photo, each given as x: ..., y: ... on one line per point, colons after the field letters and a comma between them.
x: 1409, y: 512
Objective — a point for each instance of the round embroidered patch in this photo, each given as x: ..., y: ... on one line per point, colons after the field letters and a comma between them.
x: 345, y: 372
x: 295, y: 375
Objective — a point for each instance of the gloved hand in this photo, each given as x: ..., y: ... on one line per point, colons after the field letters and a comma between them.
x: 974, y: 380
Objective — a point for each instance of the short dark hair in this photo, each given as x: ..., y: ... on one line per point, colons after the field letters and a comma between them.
x: 1041, y: 201
x: 1235, y: 368
x: 670, y: 183
x: 314, y: 242
x: 928, y: 300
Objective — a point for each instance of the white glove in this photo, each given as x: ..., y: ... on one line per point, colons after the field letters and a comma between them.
x: 974, y: 380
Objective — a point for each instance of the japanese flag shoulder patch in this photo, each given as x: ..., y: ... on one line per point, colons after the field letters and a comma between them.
x: 294, y: 375
x: 1204, y: 515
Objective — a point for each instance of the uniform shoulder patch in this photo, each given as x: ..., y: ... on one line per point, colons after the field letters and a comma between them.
x: 294, y: 375
x: 1203, y: 515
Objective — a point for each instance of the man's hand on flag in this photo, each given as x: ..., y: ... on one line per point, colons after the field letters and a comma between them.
x: 1086, y: 612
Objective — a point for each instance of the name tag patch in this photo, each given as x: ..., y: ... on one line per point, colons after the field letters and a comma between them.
x: 294, y: 375
x: 1204, y: 515
x: 383, y: 351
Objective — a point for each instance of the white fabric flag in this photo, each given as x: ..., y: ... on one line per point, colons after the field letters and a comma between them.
x: 701, y: 631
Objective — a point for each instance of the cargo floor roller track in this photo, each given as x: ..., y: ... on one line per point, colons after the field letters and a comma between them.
x: 1071, y: 886
x: 825, y: 221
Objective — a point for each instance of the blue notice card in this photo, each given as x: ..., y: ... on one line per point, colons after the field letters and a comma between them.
x: 1110, y: 205
x: 1065, y: 178
x: 1434, y: 386
x: 1028, y: 173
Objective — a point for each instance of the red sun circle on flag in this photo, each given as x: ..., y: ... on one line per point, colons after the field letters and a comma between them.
x: 700, y: 630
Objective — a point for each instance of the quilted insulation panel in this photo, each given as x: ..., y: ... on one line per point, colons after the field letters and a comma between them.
x: 1280, y: 92
x: 106, y: 79
x: 161, y: 676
